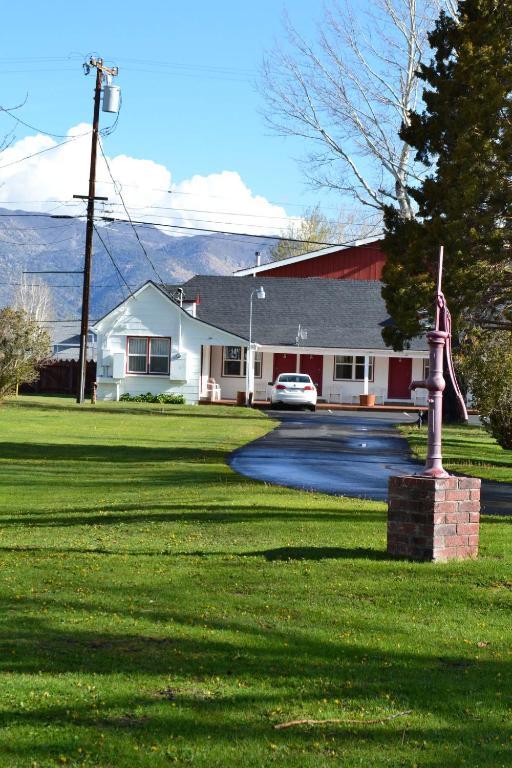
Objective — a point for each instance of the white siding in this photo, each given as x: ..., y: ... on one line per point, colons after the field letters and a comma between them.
x: 150, y: 313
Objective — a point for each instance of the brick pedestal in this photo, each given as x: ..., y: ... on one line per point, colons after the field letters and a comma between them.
x: 433, y: 519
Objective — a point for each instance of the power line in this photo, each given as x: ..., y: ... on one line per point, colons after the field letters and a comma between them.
x: 243, y: 234
x: 118, y: 271
x: 205, y: 229
x: 42, y: 151
x: 38, y: 285
x: 36, y: 245
x: 39, y: 130
x: 118, y: 190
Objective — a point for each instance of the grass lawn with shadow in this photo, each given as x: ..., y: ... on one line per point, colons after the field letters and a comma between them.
x: 467, y: 450
x: 157, y: 609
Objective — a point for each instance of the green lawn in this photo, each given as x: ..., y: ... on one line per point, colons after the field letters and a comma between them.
x: 467, y: 450
x: 157, y: 609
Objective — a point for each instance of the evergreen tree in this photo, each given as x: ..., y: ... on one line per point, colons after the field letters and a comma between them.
x: 464, y: 140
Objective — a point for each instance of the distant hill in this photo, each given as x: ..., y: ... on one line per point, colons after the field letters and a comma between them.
x: 30, y: 241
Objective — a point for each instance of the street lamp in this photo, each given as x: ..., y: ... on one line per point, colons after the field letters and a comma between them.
x: 260, y: 294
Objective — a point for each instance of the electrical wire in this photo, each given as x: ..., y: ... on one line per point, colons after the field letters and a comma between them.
x: 107, y: 233
x: 118, y: 271
x: 34, y: 128
x: 204, y: 229
x: 118, y: 190
x: 38, y: 285
x: 35, y: 245
x: 42, y: 151
x: 243, y: 234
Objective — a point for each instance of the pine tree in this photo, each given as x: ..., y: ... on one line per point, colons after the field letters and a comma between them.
x: 464, y: 140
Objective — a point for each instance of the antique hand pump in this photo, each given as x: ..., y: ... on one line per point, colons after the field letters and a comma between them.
x: 439, y: 342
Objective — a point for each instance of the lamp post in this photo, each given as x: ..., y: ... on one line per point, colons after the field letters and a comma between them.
x: 260, y: 294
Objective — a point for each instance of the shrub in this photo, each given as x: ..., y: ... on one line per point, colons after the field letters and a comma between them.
x: 23, y: 345
x: 487, y: 368
x: 167, y: 399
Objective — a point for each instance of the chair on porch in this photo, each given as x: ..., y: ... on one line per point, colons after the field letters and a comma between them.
x: 334, y: 394
x: 420, y: 397
x: 212, y: 390
x: 261, y: 392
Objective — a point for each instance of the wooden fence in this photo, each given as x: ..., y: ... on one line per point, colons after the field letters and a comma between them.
x: 61, y: 377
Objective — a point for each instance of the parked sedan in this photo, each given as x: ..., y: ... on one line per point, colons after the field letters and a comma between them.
x: 293, y: 389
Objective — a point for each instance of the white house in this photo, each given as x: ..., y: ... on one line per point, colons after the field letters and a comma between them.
x: 193, y: 339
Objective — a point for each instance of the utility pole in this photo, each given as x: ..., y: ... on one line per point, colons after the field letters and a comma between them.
x: 101, y: 69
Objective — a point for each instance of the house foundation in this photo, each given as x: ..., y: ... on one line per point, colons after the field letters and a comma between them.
x: 434, y: 519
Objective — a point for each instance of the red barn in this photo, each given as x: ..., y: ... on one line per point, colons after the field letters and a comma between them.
x: 361, y: 261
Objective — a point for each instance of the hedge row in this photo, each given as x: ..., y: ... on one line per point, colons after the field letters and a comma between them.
x: 172, y: 399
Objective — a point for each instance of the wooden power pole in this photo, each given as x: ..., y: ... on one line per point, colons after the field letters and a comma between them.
x: 91, y: 197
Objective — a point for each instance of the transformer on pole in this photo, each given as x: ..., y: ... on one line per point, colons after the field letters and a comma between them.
x: 111, y: 105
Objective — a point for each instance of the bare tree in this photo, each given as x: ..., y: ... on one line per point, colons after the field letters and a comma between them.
x: 314, y: 230
x: 35, y: 297
x: 348, y: 94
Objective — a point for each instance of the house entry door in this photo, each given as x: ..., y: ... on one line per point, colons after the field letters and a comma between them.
x: 314, y: 366
x: 399, y: 378
x: 284, y: 363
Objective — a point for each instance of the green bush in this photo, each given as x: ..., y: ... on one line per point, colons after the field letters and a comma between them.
x: 172, y: 399
x: 487, y: 366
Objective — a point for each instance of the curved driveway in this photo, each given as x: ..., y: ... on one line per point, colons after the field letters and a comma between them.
x: 345, y: 454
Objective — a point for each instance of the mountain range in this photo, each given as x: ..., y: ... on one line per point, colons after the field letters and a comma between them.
x: 52, y: 249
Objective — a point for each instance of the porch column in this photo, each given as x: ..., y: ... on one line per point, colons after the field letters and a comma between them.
x: 366, y: 374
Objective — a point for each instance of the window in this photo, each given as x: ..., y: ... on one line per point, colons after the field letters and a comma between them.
x: 159, y: 355
x: 351, y: 367
x: 257, y: 364
x: 426, y: 369
x: 148, y: 355
x: 234, y: 361
x: 295, y: 378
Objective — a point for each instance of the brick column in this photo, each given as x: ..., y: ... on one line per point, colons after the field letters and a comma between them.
x: 433, y: 518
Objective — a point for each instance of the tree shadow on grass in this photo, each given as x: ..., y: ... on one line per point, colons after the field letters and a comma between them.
x: 204, y: 412
x: 150, y: 512
x: 114, y: 454
x: 283, y: 674
x: 319, y: 553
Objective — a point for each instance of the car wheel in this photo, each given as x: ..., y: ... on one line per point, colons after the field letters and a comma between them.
x: 312, y: 408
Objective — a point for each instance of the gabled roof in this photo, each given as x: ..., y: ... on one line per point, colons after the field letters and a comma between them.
x: 168, y: 291
x: 254, y: 270
x: 346, y: 314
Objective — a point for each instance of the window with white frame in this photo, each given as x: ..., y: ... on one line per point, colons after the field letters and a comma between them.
x: 351, y: 367
x: 149, y: 355
x: 426, y: 368
x: 258, y: 356
x: 234, y: 361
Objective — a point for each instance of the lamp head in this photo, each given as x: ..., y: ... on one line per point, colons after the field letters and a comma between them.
x: 260, y: 293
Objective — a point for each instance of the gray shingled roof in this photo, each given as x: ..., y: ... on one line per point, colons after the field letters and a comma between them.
x: 336, y: 313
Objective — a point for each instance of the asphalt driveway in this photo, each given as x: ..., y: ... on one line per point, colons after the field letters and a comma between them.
x: 344, y: 454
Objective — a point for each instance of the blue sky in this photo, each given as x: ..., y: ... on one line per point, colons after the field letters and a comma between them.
x: 187, y: 73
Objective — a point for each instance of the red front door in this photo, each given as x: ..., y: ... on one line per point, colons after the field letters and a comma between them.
x: 284, y: 363
x: 399, y: 378
x: 314, y: 366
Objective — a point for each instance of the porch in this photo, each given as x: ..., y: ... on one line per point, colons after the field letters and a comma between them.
x: 341, y: 376
x: 329, y: 407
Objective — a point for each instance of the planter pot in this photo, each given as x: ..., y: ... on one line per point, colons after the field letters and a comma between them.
x: 240, y: 398
x: 367, y: 400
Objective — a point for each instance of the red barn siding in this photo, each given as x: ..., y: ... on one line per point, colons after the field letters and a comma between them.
x: 363, y: 262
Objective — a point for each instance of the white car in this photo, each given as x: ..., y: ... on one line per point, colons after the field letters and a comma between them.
x: 293, y: 389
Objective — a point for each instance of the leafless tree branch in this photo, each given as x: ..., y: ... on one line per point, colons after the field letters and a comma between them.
x: 349, y: 92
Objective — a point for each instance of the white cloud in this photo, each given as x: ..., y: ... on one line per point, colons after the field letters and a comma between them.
x: 47, y: 181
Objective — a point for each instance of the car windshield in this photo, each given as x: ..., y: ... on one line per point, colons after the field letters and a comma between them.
x: 296, y: 378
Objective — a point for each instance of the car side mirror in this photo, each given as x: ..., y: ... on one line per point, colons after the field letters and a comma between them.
x: 271, y: 383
